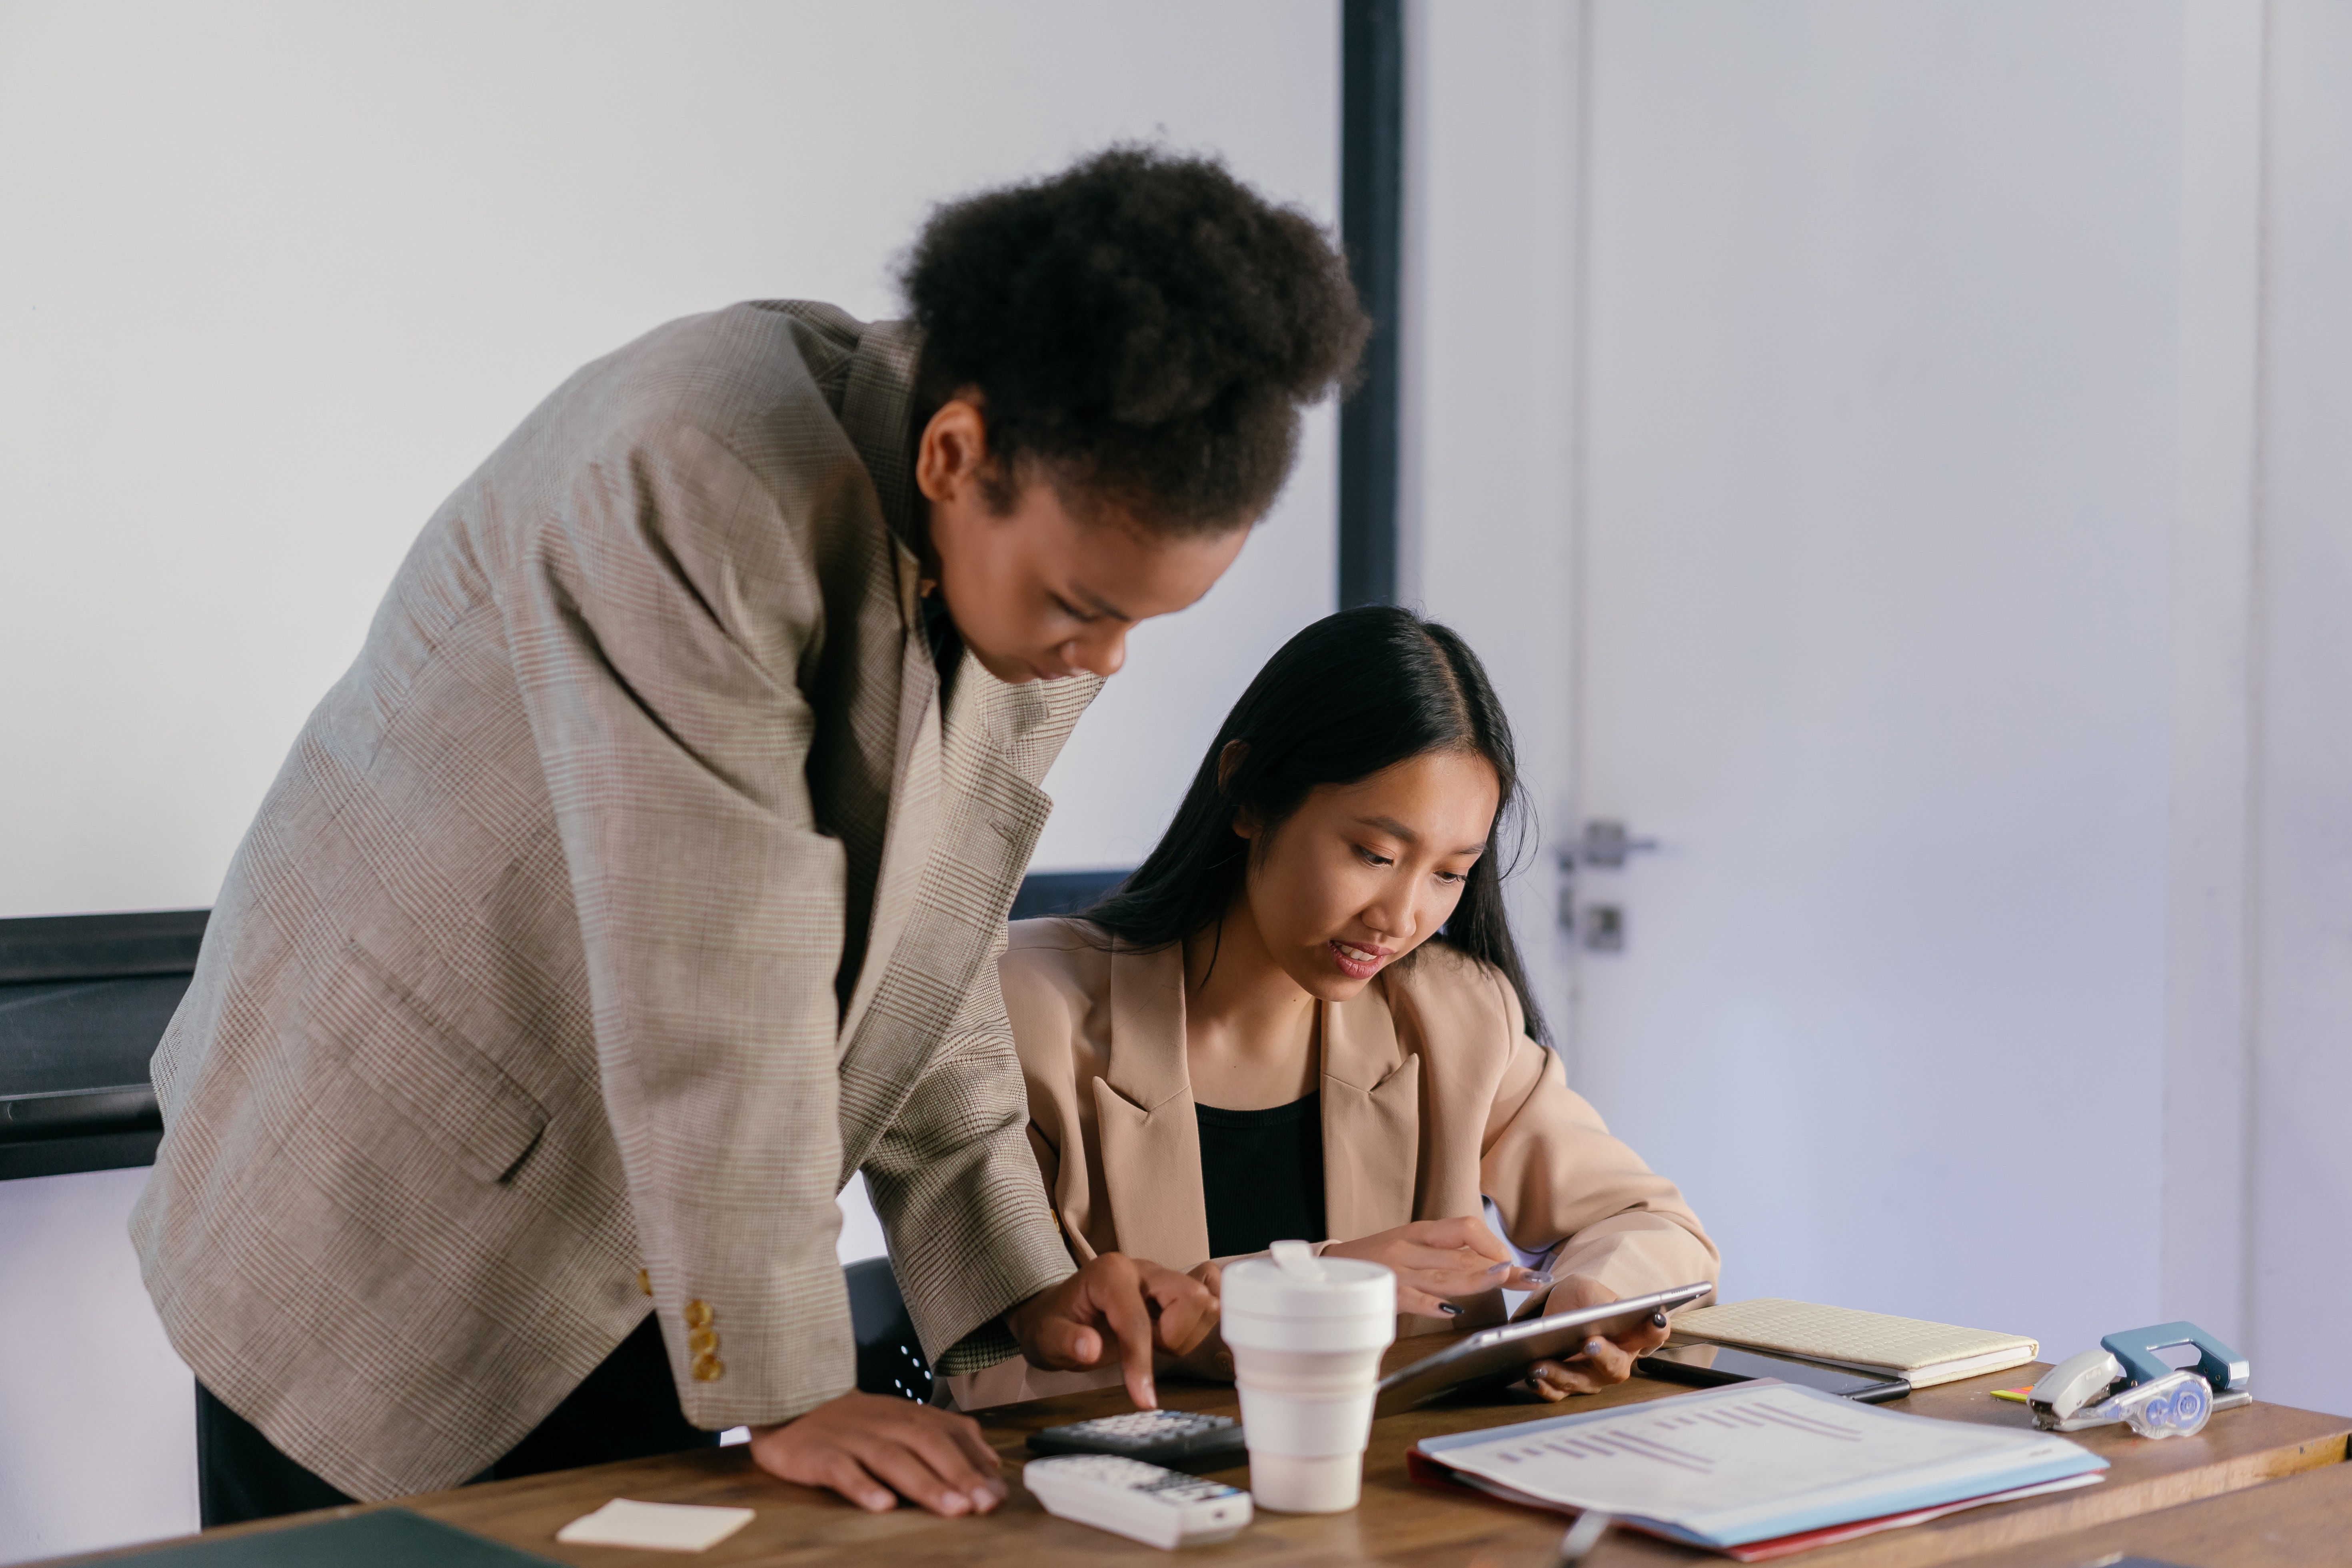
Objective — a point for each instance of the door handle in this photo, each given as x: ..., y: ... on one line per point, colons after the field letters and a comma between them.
x: 1604, y: 844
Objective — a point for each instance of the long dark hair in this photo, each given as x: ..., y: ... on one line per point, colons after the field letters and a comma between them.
x: 1354, y: 693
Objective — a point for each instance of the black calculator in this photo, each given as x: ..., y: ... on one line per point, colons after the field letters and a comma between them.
x: 1155, y: 1437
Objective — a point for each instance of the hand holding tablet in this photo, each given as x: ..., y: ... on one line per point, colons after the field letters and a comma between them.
x: 1608, y: 1354
x: 1499, y: 1355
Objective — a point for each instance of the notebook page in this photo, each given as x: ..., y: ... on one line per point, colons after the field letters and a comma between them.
x: 1841, y: 1334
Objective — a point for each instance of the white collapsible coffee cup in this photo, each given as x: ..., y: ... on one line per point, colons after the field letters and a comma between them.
x: 1306, y: 1335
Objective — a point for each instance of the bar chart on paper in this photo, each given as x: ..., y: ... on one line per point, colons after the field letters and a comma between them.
x: 1659, y: 1445
x: 1757, y: 1461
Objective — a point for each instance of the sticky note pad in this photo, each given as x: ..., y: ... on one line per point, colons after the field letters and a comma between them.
x: 655, y: 1526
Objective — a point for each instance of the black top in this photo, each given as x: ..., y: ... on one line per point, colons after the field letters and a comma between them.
x: 1262, y: 1175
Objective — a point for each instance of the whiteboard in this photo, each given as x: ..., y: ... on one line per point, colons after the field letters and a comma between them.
x: 275, y: 278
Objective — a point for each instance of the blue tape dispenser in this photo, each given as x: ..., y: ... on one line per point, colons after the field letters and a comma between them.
x: 2128, y: 1381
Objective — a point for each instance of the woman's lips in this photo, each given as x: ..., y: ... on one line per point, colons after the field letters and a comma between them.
x: 1357, y: 963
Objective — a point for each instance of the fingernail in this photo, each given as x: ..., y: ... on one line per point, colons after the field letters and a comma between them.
x: 1449, y: 1308
x: 954, y: 1503
x: 982, y: 1499
x: 1658, y: 1318
x: 1151, y: 1396
x: 1593, y: 1346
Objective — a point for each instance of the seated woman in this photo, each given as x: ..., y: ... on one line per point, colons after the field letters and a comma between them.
x: 1260, y: 1035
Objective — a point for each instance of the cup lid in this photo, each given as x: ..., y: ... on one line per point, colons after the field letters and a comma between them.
x: 1294, y: 1283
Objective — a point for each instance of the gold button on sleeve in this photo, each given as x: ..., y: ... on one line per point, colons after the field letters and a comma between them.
x: 708, y: 1369
x: 645, y: 1282
x: 698, y: 1314
x: 701, y: 1341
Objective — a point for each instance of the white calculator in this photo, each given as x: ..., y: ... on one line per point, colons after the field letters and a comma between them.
x: 1143, y: 1502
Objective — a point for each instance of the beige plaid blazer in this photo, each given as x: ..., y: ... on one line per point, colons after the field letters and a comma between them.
x: 629, y: 893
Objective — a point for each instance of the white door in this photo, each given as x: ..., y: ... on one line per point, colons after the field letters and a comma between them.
x: 1880, y: 320
x: 1894, y: 457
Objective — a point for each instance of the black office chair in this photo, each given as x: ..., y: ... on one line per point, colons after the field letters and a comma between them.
x: 890, y: 1356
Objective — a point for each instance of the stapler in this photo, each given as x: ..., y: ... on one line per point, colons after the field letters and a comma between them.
x: 2125, y: 1380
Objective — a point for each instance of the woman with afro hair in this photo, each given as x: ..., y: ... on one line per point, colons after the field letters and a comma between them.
x: 644, y: 877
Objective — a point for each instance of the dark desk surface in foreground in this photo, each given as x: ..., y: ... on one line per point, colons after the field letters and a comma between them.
x: 1400, y: 1523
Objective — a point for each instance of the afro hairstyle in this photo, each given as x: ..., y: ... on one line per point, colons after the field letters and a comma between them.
x: 1142, y: 330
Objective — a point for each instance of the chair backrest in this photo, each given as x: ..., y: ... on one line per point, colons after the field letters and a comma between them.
x: 1062, y: 892
x: 890, y: 1356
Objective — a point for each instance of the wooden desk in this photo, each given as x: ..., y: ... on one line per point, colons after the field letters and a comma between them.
x: 1399, y: 1522
x: 2299, y: 1522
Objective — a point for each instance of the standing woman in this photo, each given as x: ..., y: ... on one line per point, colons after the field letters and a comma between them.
x: 644, y: 878
x: 1261, y: 1035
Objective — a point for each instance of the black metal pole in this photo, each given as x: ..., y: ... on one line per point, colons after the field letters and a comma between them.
x: 1372, y: 227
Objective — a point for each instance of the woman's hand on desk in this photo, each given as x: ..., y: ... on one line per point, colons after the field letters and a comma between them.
x: 1121, y: 1306
x: 867, y: 1448
x: 1209, y: 1361
x: 1436, y: 1260
x: 1605, y: 1360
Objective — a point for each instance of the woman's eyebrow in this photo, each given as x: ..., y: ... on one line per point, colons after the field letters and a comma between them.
x: 1098, y: 604
x: 1395, y: 829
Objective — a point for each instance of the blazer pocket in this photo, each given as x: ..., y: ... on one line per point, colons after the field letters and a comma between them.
x: 1151, y: 1176
x: 432, y: 1075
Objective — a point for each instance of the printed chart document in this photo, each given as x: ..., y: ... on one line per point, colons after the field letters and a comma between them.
x: 1754, y: 1461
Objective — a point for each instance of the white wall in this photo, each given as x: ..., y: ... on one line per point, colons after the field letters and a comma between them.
x: 1488, y: 480
x: 97, y: 1418
x: 2207, y: 1087
x: 2297, y: 1189
x: 274, y: 277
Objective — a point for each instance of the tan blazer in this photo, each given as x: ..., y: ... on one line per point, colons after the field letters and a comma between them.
x: 1433, y: 1098
x: 629, y: 893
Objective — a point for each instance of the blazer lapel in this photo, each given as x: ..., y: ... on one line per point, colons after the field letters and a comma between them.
x: 1143, y: 1110
x: 877, y: 414
x: 1372, y: 1119
x: 876, y: 411
x: 971, y: 817
x: 914, y: 812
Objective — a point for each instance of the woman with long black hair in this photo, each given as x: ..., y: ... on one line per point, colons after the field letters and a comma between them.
x: 1262, y: 1034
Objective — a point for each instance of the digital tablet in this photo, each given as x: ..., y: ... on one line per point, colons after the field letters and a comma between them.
x: 1712, y: 1365
x: 1503, y: 1355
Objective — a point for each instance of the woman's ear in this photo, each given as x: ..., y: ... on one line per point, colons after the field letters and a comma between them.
x: 951, y: 455
x: 1229, y: 762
